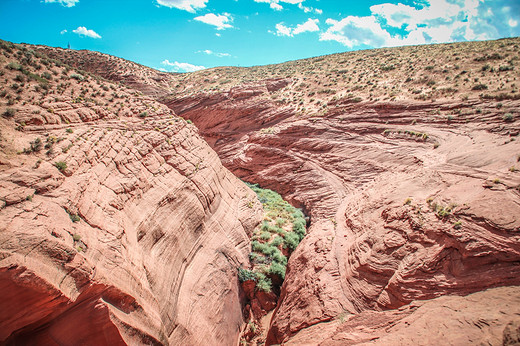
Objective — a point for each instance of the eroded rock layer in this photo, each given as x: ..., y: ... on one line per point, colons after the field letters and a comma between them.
x: 410, y: 175
x: 116, y: 228
x: 403, y: 206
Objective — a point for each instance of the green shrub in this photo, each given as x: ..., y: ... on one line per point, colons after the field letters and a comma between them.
x: 277, y: 269
x: 36, y: 145
x: 279, y: 258
x: 9, y: 113
x: 277, y: 241
x: 77, y: 77
x: 265, y: 235
x: 270, y: 250
x: 291, y: 241
x: 299, y: 227
x: 257, y: 258
x: 280, y: 231
x: 60, y: 165
x: 257, y: 246
x: 480, y: 87
x: 245, y: 275
x: 263, y: 283
x: 14, y: 66
x: 266, y: 227
x: 74, y: 217
x: 508, y: 117
x: 76, y: 237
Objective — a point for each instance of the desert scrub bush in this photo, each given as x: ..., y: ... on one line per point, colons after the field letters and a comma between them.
x: 480, y: 87
x: 441, y: 211
x: 36, y: 145
x: 246, y: 275
x: 74, y: 217
x: 387, y: 67
x: 263, y: 283
x: 14, y: 66
x: 277, y: 269
x: 265, y: 235
x: 508, y: 117
x: 288, y: 226
x: 291, y: 241
x: 77, y: 77
x: 9, y: 113
x: 61, y: 165
x: 299, y: 227
x: 280, y: 222
x: 277, y: 241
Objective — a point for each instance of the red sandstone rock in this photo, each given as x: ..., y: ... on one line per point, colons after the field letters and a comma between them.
x: 376, y: 251
x: 136, y: 241
x: 365, y: 250
x: 489, y: 317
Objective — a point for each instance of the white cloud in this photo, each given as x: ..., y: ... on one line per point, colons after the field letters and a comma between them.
x: 282, y: 30
x: 186, y: 5
x: 64, y: 31
x: 81, y: 30
x: 181, y: 66
x: 434, y: 22
x: 66, y: 3
x: 354, y: 31
x: 221, y: 21
x: 309, y: 9
x: 309, y: 26
x: 210, y: 52
x: 275, y: 5
x: 439, y: 11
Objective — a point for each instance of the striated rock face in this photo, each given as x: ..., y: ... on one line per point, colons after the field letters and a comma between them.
x: 115, y: 228
x: 404, y: 205
x: 489, y: 317
x: 161, y: 229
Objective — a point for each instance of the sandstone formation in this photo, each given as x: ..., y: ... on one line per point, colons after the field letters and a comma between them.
x: 488, y: 317
x: 401, y: 220
x: 409, y: 200
x: 121, y: 230
x: 410, y: 178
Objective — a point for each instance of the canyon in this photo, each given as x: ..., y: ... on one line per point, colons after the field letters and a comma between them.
x: 131, y: 227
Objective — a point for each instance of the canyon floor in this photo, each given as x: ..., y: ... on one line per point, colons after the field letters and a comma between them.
x: 125, y: 217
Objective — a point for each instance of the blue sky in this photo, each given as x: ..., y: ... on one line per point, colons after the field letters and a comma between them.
x: 186, y: 35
